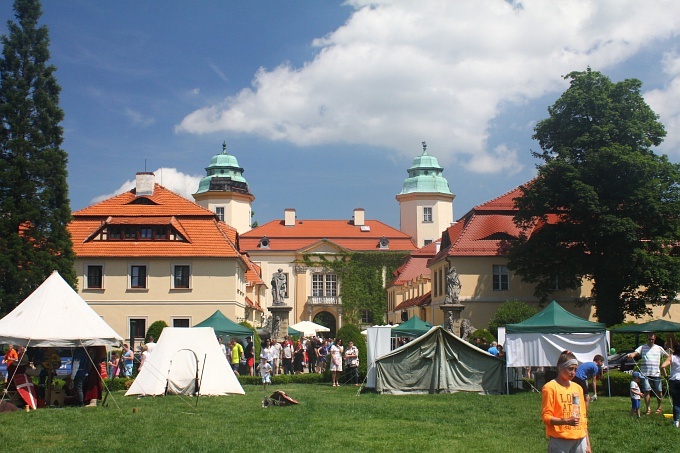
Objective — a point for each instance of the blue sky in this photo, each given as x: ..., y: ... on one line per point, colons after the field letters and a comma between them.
x: 325, y: 103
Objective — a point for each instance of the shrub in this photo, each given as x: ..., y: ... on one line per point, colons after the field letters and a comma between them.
x: 284, y: 379
x: 510, y: 312
x: 620, y: 383
x: 482, y: 333
x: 155, y: 330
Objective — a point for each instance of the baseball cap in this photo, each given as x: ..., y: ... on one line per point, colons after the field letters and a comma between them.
x: 636, y: 374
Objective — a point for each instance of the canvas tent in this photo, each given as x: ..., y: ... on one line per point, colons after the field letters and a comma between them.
x: 539, y: 340
x: 225, y: 326
x: 186, y: 361
x: 309, y: 328
x: 55, y: 316
x: 438, y: 362
x: 414, y: 327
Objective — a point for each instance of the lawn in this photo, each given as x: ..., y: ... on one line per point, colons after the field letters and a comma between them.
x: 327, y: 419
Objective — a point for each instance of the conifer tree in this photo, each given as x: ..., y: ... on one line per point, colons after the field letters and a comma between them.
x: 34, y: 203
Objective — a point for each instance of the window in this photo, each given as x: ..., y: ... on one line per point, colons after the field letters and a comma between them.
x: 95, y: 277
x: 404, y: 316
x: 180, y: 322
x: 219, y: 211
x: 138, y: 277
x: 366, y: 317
x: 114, y: 233
x: 324, y: 285
x: 181, y: 276
x: 145, y: 233
x: 137, y: 328
x: 427, y: 242
x: 130, y: 233
x: 501, y: 278
x: 427, y: 214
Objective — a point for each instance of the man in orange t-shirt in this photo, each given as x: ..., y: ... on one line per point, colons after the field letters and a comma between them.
x: 11, y: 356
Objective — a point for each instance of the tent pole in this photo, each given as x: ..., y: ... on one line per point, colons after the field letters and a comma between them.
x: 198, y: 385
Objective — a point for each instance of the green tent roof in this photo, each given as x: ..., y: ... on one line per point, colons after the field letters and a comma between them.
x: 224, y: 326
x: 658, y: 325
x: 414, y: 327
x: 555, y: 319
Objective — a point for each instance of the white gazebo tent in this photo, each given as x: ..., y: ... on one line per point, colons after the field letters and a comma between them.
x: 54, y: 315
x: 309, y: 328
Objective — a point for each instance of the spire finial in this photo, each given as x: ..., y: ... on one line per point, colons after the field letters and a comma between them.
x: 424, y: 148
x: 224, y: 147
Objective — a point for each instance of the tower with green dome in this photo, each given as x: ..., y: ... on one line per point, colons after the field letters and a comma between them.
x: 425, y: 201
x: 225, y: 191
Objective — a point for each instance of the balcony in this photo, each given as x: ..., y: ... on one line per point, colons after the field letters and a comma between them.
x: 324, y: 300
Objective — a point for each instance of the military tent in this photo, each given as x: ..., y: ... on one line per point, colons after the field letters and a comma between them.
x: 438, y: 362
x: 186, y: 362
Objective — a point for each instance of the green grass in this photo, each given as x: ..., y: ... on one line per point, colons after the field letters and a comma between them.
x: 327, y: 419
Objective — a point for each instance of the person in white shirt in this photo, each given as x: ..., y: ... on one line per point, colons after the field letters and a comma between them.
x: 674, y: 382
x: 276, y: 350
x: 650, y: 355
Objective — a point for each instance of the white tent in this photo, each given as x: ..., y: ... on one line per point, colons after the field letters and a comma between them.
x: 309, y: 328
x: 186, y: 361
x: 54, y: 315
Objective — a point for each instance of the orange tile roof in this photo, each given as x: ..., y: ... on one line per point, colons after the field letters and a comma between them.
x: 414, y: 268
x: 483, y: 230
x: 425, y: 299
x: 203, y: 235
x: 340, y: 232
x: 254, y: 272
x: 253, y: 305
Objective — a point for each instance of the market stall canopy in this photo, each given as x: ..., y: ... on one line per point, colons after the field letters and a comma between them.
x: 225, y: 326
x: 309, y: 328
x: 658, y: 325
x: 54, y: 315
x: 414, y: 327
x: 555, y: 319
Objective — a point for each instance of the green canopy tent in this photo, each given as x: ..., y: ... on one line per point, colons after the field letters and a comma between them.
x: 294, y: 333
x: 225, y: 326
x: 658, y: 325
x: 414, y: 327
x: 539, y: 340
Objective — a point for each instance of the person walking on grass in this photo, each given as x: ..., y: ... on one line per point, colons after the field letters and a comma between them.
x: 336, y: 361
x: 635, y: 394
x: 265, y: 369
x: 650, y: 355
x: 565, y: 418
x: 674, y: 382
x: 352, y: 362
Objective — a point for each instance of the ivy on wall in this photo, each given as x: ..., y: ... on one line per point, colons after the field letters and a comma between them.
x: 361, y: 277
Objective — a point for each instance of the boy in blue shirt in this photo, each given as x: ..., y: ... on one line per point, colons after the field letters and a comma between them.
x: 589, y: 370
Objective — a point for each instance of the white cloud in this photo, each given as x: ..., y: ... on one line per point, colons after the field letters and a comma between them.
x: 138, y: 119
x: 170, y: 178
x: 399, y: 71
x: 666, y: 103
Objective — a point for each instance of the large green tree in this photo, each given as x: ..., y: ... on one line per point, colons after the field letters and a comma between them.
x: 34, y: 204
x: 604, y: 206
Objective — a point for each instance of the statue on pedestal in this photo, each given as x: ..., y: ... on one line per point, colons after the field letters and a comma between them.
x: 279, y: 287
x: 453, y: 286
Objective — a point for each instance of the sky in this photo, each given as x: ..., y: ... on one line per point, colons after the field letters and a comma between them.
x: 325, y: 104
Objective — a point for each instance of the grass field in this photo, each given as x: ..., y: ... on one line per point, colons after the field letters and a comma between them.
x: 327, y: 419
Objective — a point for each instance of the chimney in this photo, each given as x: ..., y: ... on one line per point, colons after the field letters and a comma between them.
x: 289, y: 217
x: 359, y: 217
x: 145, y: 182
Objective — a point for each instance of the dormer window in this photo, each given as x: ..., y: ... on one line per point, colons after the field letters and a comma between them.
x: 384, y: 243
x: 264, y: 243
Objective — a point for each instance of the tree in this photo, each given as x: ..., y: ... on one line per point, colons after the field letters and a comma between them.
x: 510, y: 312
x: 603, y: 206
x: 34, y: 204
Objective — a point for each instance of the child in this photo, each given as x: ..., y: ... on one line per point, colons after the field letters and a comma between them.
x: 265, y: 370
x: 635, y: 394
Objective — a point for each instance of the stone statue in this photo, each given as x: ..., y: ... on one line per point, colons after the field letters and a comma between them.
x: 276, y: 324
x: 279, y: 287
x: 466, y: 329
x: 452, y: 286
x: 448, y: 322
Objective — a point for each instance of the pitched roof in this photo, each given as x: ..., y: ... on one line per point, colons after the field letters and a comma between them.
x: 483, y: 230
x: 418, y: 301
x: 343, y: 233
x: 196, y: 230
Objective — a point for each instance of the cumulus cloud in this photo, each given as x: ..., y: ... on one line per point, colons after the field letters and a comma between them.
x: 400, y: 71
x: 666, y: 103
x: 180, y: 183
